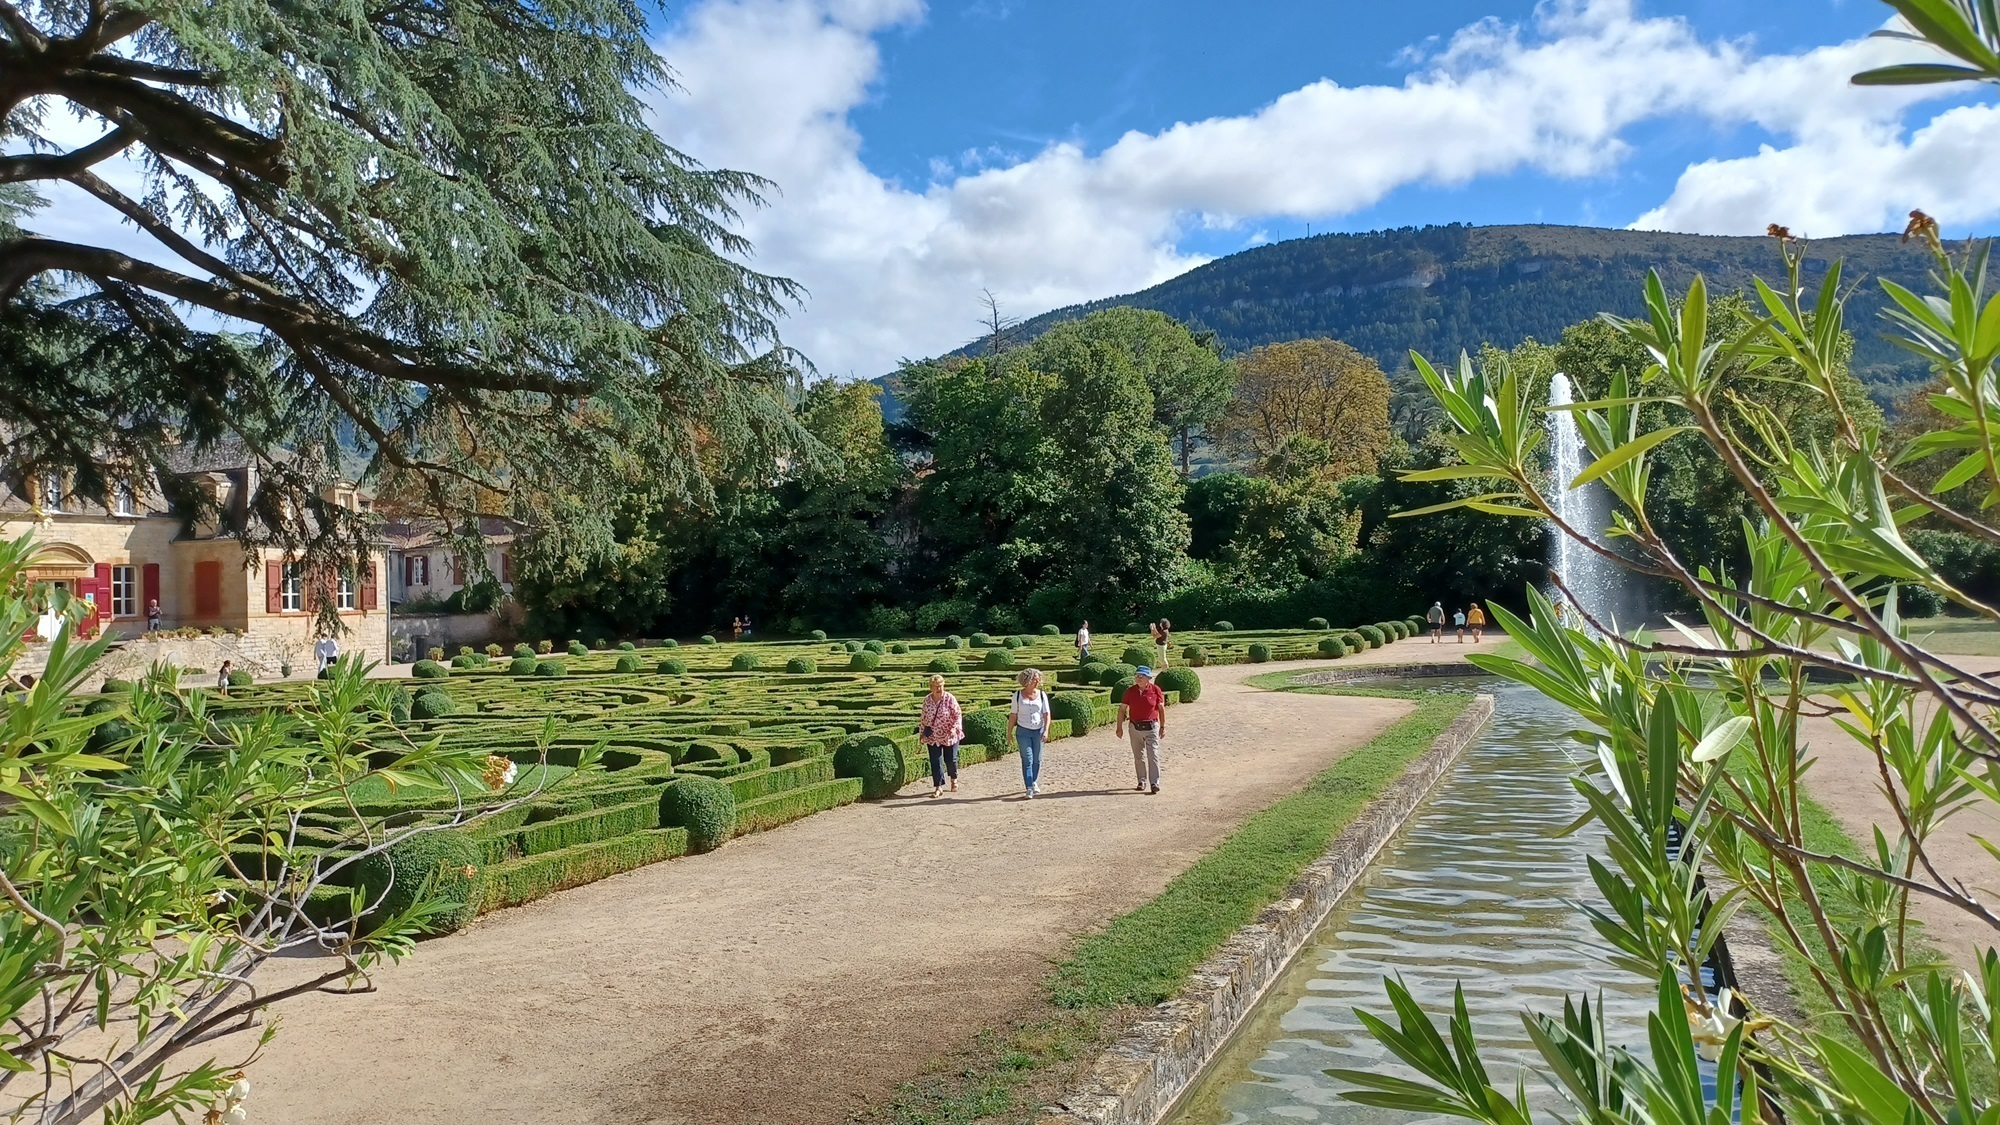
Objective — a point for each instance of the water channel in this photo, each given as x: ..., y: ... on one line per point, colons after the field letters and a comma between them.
x: 1478, y: 891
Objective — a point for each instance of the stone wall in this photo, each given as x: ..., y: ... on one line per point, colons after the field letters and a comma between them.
x: 411, y: 634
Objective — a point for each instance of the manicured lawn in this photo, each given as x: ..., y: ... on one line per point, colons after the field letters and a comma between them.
x: 1957, y: 636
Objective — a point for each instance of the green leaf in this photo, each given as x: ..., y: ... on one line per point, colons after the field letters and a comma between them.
x: 1721, y: 740
x: 1879, y: 1097
x: 1916, y: 74
x: 1624, y: 453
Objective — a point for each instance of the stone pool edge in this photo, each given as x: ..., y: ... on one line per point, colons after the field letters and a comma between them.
x: 1140, y: 1078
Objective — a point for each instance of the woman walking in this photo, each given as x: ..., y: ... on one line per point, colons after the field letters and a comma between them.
x: 1163, y: 638
x: 1476, y: 617
x: 942, y: 728
x: 1029, y: 716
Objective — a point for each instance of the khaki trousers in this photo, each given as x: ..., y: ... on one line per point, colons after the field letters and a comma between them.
x: 1145, y: 754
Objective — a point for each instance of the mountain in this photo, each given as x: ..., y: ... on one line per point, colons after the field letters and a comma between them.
x: 1442, y: 289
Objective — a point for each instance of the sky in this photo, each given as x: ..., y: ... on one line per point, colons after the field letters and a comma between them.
x: 922, y: 152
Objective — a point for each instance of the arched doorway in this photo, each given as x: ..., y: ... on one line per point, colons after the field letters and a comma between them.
x: 69, y: 568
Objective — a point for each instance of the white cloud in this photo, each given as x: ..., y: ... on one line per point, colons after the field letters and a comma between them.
x: 896, y: 270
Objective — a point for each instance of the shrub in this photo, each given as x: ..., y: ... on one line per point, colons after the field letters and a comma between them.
x: 463, y: 650
x: 1011, y: 642
x: 874, y: 759
x: 1372, y: 635
x: 627, y: 646
x: 550, y: 668
x: 981, y: 640
x: 1093, y: 668
x: 522, y: 665
x: 702, y: 805
x: 1136, y: 655
x: 673, y: 667
x: 1223, y: 627
x: 1114, y: 672
x: 851, y: 646
x: 545, y: 647
x: 1332, y: 647
x: 997, y: 659
x: 987, y: 727
x: 818, y: 634
x: 432, y: 704
x: 744, y: 662
x: 493, y: 652
x: 577, y: 648
x: 1076, y: 706
x: 463, y: 660
x: 114, y: 685
x: 876, y: 647
x: 524, y: 649
x: 1182, y: 680
x: 436, y: 653
x: 888, y: 619
x: 1416, y: 624
x: 1316, y: 623
x: 864, y: 661
x: 954, y: 641
x: 1260, y: 654
x: 628, y: 662
x: 1919, y: 601
x: 424, y: 867
x: 898, y: 648
x: 1051, y: 631
x: 1136, y: 627
x: 941, y: 664
x: 956, y: 612
x: 708, y: 638
x: 1396, y: 630
x: 399, y: 705
x: 670, y: 643
x: 1196, y: 655
x: 429, y: 670
x: 1118, y: 689
x: 240, y: 679
x: 801, y: 666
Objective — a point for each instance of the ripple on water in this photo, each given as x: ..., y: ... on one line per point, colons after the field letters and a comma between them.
x: 1476, y: 892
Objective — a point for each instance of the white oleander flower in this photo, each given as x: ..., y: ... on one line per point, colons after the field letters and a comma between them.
x: 1711, y: 1031
x: 239, y: 1089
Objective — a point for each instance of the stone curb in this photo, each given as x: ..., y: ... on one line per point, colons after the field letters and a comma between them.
x: 1139, y: 1079
x: 1364, y: 672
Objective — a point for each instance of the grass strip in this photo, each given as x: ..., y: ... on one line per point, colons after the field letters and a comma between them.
x: 1145, y: 956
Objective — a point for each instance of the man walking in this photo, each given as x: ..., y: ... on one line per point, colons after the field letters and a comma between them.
x: 1144, y: 705
x: 1083, y: 643
x: 326, y: 650
x: 1436, y: 619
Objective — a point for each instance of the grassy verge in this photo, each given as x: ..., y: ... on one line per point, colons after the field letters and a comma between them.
x: 1145, y: 956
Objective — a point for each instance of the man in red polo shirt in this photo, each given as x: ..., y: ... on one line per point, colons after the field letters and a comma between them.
x: 1144, y: 705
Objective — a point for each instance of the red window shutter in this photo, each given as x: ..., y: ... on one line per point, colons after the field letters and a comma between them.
x: 104, y: 590
x: 368, y: 585
x: 207, y: 589
x: 95, y: 592
x: 274, y: 584
x: 149, y: 588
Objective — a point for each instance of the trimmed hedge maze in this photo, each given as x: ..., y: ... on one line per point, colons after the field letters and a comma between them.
x: 705, y: 742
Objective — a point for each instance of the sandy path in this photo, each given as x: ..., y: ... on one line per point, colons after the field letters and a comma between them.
x: 1847, y: 780
x: 797, y: 975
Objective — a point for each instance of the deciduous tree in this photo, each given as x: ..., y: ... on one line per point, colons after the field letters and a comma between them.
x: 1320, y: 388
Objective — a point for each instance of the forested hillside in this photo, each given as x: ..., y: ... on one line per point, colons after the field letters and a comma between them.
x: 1441, y: 289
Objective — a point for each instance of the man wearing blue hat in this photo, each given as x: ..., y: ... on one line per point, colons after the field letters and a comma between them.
x: 1144, y: 705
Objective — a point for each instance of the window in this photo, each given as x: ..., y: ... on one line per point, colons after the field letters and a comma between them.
x: 344, y: 595
x: 416, y: 570
x: 507, y: 567
x: 52, y: 493
x: 292, y: 588
x: 124, y: 502
x: 457, y: 571
x: 124, y: 591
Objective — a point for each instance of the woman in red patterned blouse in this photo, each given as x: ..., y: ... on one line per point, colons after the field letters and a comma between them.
x: 942, y: 728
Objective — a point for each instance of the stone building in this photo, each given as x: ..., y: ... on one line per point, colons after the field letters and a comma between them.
x: 121, y: 558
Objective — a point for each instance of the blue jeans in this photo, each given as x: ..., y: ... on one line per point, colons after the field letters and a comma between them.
x: 1030, y: 742
x: 944, y: 759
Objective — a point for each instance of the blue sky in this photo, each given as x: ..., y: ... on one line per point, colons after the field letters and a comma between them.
x: 1057, y: 151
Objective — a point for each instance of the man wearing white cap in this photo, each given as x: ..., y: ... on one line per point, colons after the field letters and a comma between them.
x: 1144, y: 705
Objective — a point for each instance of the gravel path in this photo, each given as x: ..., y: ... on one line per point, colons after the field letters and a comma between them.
x: 797, y: 975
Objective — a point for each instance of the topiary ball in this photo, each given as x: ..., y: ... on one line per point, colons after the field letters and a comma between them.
x: 670, y: 643
x: 1092, y: 670
x: 523, y: 649
x: 1123, y: 685
x: 1079, y: 707
x: 1223, y: 627
x: 550, y: 668
x: 997, y: 659
x: 627, y: 646
x: 954, y: 641
x: 702, y: 805
x: 1136, y: 655
x: 708, y: 638
x: 240, y: 679
x: 1051, y: 631
x: 744, y: 662
x: 628, y: 662
x: 114, y: 685
x: 429, y: 670
x: 578, y: 648
x: 801, y: 666
x: 672, y: 667
x: 1182, y: 680
x: 1196, y: 655
x: 1013, y: 642
x: 941, y: 664
x: 424, y: 867
x: 1316, y: 623
x: 1260, y: 654
x: 1114, y: 672
x: 432, y: 704
x: 1372, y: 635
x: 1332, y: 647
x: 1354, y: 641
x: 110, y: 735
x: 876, y: 647
x: 399, y: 705
x: 898, y: 648
x: 981, y: 640
x: 818, y: 634
x: 522, y: 665
x: 986, y: 727
x: 864, y: 662
x: 875, y: 760
x: 852, y: 646
x: 464, y: 660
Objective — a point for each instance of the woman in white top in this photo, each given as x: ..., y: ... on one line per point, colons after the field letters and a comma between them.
x: 1029, y: 716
